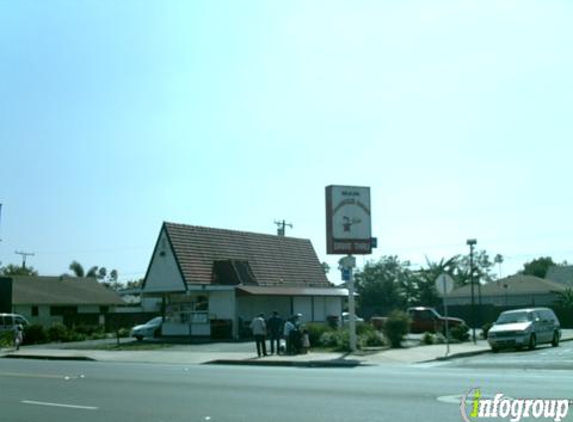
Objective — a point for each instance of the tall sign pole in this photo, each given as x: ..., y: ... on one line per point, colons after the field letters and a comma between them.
x: 444, y: 285
x: 348, y: 232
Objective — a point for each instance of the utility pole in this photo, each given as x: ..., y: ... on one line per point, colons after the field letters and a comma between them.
x: 24, y: 256
x: 281, y: 225
x: 472, y: 243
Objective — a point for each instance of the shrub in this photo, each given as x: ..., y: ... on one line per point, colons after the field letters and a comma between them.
x: 428, y: 339
x: 123, y: 332
x: 6, y: 339
x: 35, y: 334
x: 371, y: 339
x: 396, y: 327
x: 460, y: 333
x: 315, y: 331
x: 58, y: 332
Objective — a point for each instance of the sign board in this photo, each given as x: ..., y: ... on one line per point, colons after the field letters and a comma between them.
x: 444, y: 284
x: 348, y: 222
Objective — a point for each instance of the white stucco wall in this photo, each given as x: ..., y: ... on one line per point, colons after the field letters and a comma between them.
x: 164, y: 275
x: 319, y: 309
x: 251, y: 306
x: 222, y: 304
x: 334, y: 306
x: 303, y: 305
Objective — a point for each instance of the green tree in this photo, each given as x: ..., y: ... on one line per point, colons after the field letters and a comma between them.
x: 384, y: 285
x: 325, y: 267
x: 77, y: 269
x: 12, y: 269
x: 538, y: 267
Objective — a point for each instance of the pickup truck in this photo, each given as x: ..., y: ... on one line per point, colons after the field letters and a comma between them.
x: 428, y: 320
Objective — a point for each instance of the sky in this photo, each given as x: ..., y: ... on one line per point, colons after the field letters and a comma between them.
x: 118, y: 115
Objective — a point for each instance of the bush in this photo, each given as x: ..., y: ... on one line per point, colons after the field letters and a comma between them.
x: 123, y: 332
x: 35, y: 334
x: 460, y: 333
x: 315, y: 331
x: 58, y: 332
x: 371, y: 339
x: 339, y: 340
x: 428, y: 339
x: 6, y: 339
x: 396, y: 327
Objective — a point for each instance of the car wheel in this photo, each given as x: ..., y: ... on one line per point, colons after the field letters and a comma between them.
x: 555, y: 341
x: 532, y: 342
x: 139, y: 338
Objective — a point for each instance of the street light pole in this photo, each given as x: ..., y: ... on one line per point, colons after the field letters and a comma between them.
x: 472, y: 243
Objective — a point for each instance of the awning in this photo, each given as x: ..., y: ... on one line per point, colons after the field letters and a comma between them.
x: 292, y: 291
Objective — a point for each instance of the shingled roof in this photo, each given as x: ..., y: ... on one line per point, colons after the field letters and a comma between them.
x: 61, y: 291
x: 273, y: 260
x: 516, y: 285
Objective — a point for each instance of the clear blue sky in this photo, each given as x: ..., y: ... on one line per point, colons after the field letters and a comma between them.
x: 118, y: 115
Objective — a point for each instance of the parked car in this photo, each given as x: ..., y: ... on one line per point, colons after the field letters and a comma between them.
x: 423, y: 319
x: 524, y: 327
x: 346, y: 318
x: 9, y: 321
x: 151, y: 328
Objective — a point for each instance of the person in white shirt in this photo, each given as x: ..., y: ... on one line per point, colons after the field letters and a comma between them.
x: 289, y: 326
x: 259, y: 329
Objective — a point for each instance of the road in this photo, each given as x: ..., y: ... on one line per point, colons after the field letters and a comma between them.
x: 543, y: 357
x: 51, y: 391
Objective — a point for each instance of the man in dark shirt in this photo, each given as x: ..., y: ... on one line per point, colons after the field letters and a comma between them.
x: 275, y: 328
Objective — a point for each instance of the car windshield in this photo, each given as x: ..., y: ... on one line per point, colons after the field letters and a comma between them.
x: 154, y: 321
x: 514, y: 317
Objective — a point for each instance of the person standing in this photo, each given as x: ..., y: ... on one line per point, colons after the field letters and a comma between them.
x: 289, y: 326
x: 18, y: 336
x: 275, y: 326
x: 259, y: 329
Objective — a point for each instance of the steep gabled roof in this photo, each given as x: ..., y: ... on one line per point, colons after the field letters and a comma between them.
x: 61, y: 291
x: 273, y: 260
x: 513, y: 285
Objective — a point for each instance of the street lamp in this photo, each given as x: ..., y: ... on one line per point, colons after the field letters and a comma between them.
x: 472, y: 243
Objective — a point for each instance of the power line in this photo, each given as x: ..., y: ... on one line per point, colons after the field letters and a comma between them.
x: 24, y: 256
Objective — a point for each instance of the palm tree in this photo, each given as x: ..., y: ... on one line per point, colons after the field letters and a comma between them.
x: 77, y: 269
x: 565, y: 298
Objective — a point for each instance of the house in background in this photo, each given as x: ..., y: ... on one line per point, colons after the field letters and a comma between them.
x: 212, y: 282
x: 514, y: 291
x: 68, y: 300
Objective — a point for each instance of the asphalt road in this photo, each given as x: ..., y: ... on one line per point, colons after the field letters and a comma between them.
x: 50, y: 391
x: 543, y: 357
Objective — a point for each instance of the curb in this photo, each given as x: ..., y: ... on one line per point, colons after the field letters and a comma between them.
x: 301, y: 364
x: 49, y: 357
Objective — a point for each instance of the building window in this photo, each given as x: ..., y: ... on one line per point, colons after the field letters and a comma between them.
x: 35, y: 311
x: 103, y: 309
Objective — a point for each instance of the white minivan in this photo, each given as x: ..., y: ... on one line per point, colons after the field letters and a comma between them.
x: 524, y: 327
x: 9, y: 321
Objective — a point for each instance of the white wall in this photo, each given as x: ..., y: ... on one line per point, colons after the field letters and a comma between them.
x: 334, y: 306
x: 249, y: 307
x: 222, y: 304
x: 303, y: 305
x: 164, y: 275
x: 319, y: 309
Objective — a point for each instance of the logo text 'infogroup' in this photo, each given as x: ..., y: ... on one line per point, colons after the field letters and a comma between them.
x: 473, y: 407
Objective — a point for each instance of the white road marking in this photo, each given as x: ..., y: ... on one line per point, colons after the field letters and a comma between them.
x: 69, y: 406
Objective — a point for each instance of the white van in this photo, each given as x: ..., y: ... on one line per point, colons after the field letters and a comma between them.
x: 524, y: 327
x: 9, y: 321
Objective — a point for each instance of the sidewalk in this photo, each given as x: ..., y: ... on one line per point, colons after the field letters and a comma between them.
x: 243, y: 354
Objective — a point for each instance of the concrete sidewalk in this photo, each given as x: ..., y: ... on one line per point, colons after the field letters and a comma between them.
x: 243, y: 354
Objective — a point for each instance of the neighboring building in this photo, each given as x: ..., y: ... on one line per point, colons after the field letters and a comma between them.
x: 48, y: 300
x: 516, y: 290
x: 210, y: 278
x: 561, y: 274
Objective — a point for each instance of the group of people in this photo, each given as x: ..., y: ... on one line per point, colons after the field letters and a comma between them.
x: 295, y: 336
